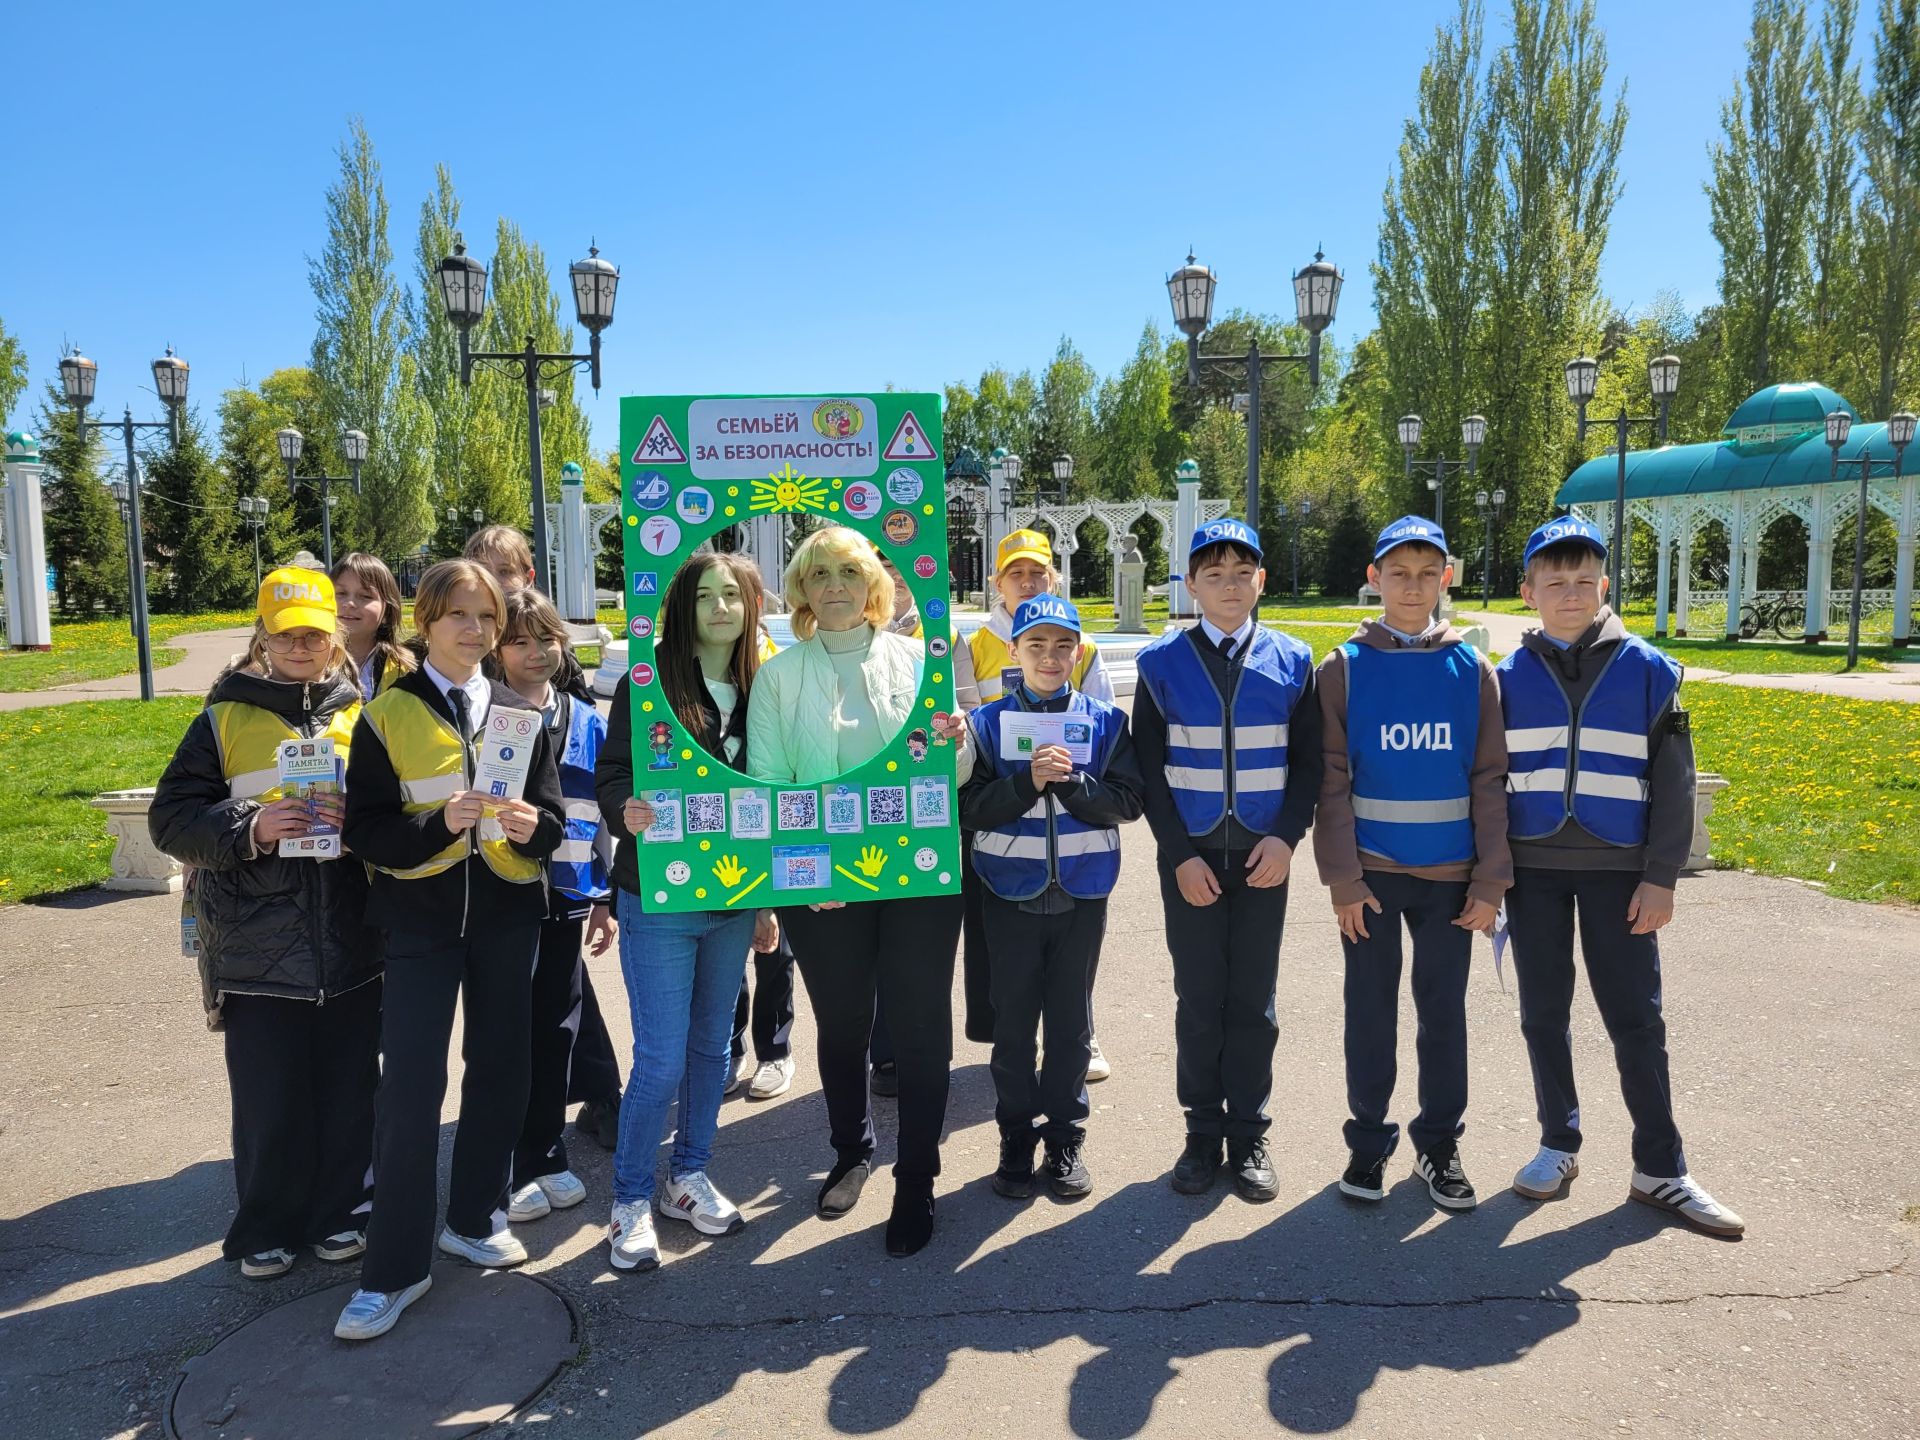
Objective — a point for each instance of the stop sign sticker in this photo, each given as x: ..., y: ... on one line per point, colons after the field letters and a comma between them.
x: 642, y: 674
x: 924, y: 567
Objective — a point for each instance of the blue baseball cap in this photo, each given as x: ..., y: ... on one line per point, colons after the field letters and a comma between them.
x: 1554, y: 532
x: 1045, y: 610
x: 1226, y: 530
x: 1409, y: 530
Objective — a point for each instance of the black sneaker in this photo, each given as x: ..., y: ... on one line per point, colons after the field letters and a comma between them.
x: 599, y: 1121
x: 1194, y: 1172
x: 1365, y: 1179
x: 1067, y: 1175
x: 1446, y: 1181
x: 886, y: 1081
x: 1014, y: 1178
x: 1253, y: 1177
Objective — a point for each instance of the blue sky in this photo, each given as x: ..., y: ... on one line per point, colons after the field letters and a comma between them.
x: 799, y: 198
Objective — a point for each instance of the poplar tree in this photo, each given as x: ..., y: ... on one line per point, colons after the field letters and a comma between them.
x: 1889, y: 214
x: 1833, y: 242
x: 13, y: 371
x: 251, y: 459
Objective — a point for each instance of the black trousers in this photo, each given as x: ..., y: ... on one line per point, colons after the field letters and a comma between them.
x: 901, y: 951
x: 490, y: 971
x: 1042, y: 976
x: 302, y: 1077
x: 554, y: 1005
x: 1442, y: 952
x: 1623, y: 970
x: 768, y: 1009
x: 1226, y: 961
x: 596, y: 1070
x: 976, y: 966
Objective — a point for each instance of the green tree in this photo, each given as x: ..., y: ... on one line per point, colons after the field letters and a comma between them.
x: 1833, y: 244
x: 1889, y: 216
x: 250, y: 456
x: 1063, y: 420
x: 1761, y: 196
x: 86, y: 537
x: 191, y: 526
x: 368, y: 379
x: 1348, y: 551
x: 1135, y: 447
x: 13, y: 371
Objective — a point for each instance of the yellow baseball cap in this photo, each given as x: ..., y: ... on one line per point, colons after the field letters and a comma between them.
x: 293, y: 596
x: 1023, y: 545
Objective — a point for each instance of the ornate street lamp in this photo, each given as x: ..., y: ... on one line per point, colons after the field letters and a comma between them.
x: 353, y: 444
x: 1899, y: 436
x: 1583, y: 377
x: 1473, y: 434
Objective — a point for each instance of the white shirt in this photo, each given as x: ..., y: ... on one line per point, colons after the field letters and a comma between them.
x: 479, y: 691
x: 1215, y: 634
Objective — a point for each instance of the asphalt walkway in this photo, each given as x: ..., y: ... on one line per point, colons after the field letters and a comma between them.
x: 207, y: 654
x: 1795, y: 1027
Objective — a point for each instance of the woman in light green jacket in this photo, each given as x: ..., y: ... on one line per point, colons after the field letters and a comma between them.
x: 820, y: 708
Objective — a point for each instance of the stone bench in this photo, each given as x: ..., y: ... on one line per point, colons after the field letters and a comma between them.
x: 137, y: 865
x: 1706, y: 786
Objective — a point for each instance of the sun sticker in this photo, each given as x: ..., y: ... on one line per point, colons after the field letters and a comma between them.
x: 789, y: 492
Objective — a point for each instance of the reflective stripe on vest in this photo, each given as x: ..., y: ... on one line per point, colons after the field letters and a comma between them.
x: 430, y: 763
x: 249, y: 739
x: 576, y: 867
x: 991, y: 655
x: 1266, y: 688
x: 1591, y: 766
x: 1018, y: 860
x: 1413, y: 720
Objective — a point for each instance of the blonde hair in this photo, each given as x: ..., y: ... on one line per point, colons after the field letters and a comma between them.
x: 837, y: 543
x: 435, y: 596
x: 503, y: 543
x: 1000, y: 601
x: 258, y: 662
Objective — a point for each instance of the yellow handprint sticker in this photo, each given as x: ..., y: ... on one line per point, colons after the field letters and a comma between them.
x: 728, y: 870
x: 872, y: 861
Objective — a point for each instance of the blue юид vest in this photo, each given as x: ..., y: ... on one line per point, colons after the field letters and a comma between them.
x: 1413, y: 720
x: 1018, y: 859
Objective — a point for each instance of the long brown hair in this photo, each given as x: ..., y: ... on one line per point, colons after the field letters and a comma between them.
x: 678, y: 652
x: 372, y: 572
x: 530, y: 613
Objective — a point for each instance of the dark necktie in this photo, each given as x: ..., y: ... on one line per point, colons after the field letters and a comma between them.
x: 462, y: 716
x: 1225, y: 647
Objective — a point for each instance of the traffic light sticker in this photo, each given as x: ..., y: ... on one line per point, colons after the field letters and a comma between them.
x: 909, y: 441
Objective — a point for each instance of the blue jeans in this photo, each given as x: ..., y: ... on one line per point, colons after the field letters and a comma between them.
x: 683, y: 972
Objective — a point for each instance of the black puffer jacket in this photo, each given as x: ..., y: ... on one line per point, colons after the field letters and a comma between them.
x: 268, y: 926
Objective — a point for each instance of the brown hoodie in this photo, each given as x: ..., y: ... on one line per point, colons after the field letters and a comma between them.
x: 1336, y: 851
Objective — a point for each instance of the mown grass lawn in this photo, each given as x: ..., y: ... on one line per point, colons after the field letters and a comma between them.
x: 1824, y: 787
x: 99, y: 649
x: 52, y: 762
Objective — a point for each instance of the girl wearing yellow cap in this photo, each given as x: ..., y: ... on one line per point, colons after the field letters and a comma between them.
x: 287, y: 971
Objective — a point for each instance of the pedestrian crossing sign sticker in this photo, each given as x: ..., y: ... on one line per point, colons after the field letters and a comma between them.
x: 909, y: 441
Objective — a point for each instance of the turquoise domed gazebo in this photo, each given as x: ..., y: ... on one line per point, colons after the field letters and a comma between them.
x: 1773, y: 462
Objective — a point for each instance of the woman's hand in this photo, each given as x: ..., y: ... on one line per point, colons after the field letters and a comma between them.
x: 282, y: 820
x: 828, y: 905
x: 637, y: 816
x: 518, y: 819
x: 463, y: 810
x: 600, y: 930
x: 766, y: 932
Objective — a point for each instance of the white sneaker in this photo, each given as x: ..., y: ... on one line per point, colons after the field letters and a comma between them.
x: 1097, y: 1066
x: 347, y: 1245
x: 498, y: 1251
x: 373, y: 1312
x: 694, y: 1199
x: 266, y: 1264
x: 1683, y: 1196
x: 742, y: 1068
x: 529, y: 1202
x: 630, y: 1238
x: 771, y: 1079
x: 1542, y: 1177
x: 563, y: 1189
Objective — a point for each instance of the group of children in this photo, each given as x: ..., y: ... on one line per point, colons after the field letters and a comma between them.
x: 1446, y: 795
x: 1443, y: 792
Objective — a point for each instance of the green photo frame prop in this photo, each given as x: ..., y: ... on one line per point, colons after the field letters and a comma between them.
x: 694, y: 465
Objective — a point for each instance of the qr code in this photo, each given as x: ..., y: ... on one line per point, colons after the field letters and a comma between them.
x: 706, y: 814
x: 803, y: 872
x: 930, y: 803
x: 887, y: 805
x: 799, y: 809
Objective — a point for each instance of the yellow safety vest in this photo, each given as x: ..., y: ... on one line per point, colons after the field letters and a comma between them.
x: 991, y: 655
x: 250, y: 739
x: 430, y: 764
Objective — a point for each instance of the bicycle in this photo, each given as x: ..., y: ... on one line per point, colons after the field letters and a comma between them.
x: 1782, y: 616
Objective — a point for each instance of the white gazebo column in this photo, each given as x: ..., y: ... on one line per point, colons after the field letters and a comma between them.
x: 1736, y: 563
x: 1685, y: 563
x: 1903, y: 559
x: 1663, y: 573
x: 1819, y: 561
x: 1750, y: 563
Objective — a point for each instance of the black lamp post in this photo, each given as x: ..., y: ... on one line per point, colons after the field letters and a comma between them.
x: 1301, y: 511
x: 1489, y: 507
x: 1473, y: 434
x: 254, y: 510
x: 463, y: 289
x: 1899, y: 435
x: 354, y: 444
x: 78, y: 376
x: 1062, y: 477
x: 1663, y: 377
x: 1316, y: 294
x: 476, y: 515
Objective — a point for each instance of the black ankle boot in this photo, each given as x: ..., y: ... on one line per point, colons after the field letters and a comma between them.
x: 910, y: 1226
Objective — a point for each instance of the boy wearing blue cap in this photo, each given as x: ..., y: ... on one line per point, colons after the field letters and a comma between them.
x: 1043, y: 803
x: 1412, y: 827
x: 1229, y: 744
x: 1600, y: 786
